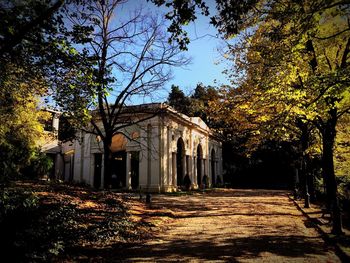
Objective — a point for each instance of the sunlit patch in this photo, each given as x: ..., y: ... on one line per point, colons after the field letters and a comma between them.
x: 42, y: 193
x: 88, y: 204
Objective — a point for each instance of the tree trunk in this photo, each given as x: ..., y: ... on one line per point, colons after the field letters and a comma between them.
x: 304, y: 140
x: 328, y: 138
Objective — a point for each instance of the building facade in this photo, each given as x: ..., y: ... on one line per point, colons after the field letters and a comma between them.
x: 159, y: 154
x: 51, y: 145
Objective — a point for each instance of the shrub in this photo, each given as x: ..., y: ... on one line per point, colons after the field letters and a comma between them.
x: 40, y: 165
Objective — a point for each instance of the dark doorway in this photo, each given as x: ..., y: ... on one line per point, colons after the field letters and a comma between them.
x: 118, y: 170
x: 97, y: 170
x: 68, y: 167
x: 135, y: 170
x: 51, y: 172
x: 199, y: 164
x: 179, y: 161
x: 213, y: 175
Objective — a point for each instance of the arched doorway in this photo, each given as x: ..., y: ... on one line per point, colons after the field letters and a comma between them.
x: 213, y: 175
x: 199, y: 164
x: 134, y: 170
x: 118, y: 169
x: 118, y: 162
x: 180, y: 154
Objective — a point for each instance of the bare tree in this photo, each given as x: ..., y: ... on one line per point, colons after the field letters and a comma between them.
x: 131, y: 58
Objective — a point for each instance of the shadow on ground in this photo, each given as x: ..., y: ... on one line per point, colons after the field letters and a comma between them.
x: 245, y: 247
x: 227, y: 226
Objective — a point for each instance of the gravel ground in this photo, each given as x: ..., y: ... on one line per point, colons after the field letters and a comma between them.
x: 229, y: 226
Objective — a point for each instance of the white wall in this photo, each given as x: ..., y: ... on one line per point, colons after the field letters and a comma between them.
x: 157, y: 144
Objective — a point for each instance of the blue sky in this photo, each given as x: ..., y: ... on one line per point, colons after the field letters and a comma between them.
x: 205, y: 57
x: 204, y: 66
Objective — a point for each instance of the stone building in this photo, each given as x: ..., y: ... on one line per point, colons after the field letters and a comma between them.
x: 51, y: 145
x: 159, y: 154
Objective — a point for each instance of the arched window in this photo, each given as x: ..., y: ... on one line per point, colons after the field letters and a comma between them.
x: 118, y: 163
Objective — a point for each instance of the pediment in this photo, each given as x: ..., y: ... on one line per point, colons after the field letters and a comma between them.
x: 198, y: 121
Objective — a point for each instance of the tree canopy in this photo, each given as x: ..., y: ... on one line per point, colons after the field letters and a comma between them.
x: 290, y: 73
x: 21, y: 129
x: 33, y: 51
x: 291, y: 60
x: 227, y: 18
x: 178, y: 100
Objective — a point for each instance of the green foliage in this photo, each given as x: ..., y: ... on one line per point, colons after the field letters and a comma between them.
x: 181, y: 13
x: 291, y: 74
x: 342, y: 160
x: 342, y: 148
x: 66, y: 131
x: 228, y: 19
x: 20, y: 128
x: 178, y: 100
x: 286, y: 70
x: 195, y: 105
x: 35, y: 54
x: 12, y: 201
x: 40, y: 165
x: 37, y: 38
x: 200, y: 104
x: 344, y: 188
x: 24, y: 24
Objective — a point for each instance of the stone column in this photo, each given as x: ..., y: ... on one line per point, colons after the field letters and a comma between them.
x: 128, y: 170
x: 190, y: 167
x: 82, y: 155
x: 149, y: 153
x: 187, y: 165
x: 184, y: 166
x: 212, y: 171
x: 55, y: 123
x: 194, y: 178
x: 169, y: 157
x: 173, y: 174
x: 216, y: 169
x: 204, y: 172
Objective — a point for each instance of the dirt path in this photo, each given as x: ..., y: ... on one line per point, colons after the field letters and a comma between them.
x: 232, y: 226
